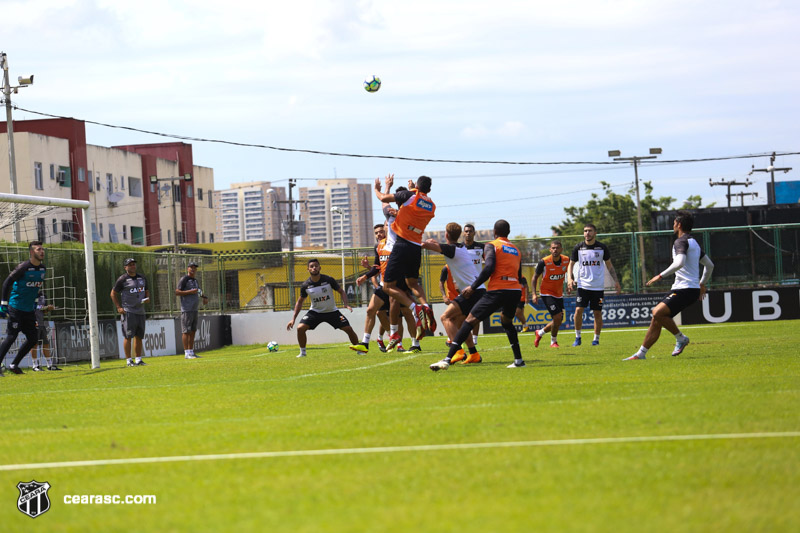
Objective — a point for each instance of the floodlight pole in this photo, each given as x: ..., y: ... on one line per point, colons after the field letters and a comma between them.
x: 654, y: 153
x: 12, y: 162
x: 290, y: 233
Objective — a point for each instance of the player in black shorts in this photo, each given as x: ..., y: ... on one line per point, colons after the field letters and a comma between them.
x: 320, y: 288
x: 689, y: 286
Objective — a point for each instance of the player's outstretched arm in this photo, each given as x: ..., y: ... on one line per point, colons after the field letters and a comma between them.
x: 297, y: 306
x: 613, y: 274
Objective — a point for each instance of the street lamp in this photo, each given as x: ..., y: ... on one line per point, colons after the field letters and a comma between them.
x: 654, y: 153
x: 12, y: 162
x: 339, y: 211
x: 155, y: 180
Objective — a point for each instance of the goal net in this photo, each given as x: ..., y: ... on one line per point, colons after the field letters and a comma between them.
x: 50, y: 220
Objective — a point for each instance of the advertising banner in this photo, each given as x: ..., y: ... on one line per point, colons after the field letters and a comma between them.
x: 745, y: 305
x: 624, y: 310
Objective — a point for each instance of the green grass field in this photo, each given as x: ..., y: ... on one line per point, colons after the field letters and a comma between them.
x: 371, y: 425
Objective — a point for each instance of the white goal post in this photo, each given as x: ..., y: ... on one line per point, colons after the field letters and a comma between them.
x: 91, y: 292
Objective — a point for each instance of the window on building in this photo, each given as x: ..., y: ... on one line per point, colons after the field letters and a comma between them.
x: 109, y: 183
x: 135, y: 187
x: 210, y: 204
x: 55, y: 226
x: 210, y: 237
x: 124, y: 232
x: 81, y: 176
x: 176, y: 193
x: 169, y: 236
x: 179, y: 237
x: 98, y: 187
x: 189, y: 192
x: 67, y: 231
x: 203, y: 234
x: 101, y: 229
x: 199, y: 194
x: 41, y: 229
x: 37, y: 176
x: 152, y: 187
x: 137, y: 235
x: 52, y: 172
x: 91, y: 182
x: 122, y: 183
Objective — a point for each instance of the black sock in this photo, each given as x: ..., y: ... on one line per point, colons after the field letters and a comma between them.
x: 511, y: 333
x: 473, y: 350
x: 463, y: 333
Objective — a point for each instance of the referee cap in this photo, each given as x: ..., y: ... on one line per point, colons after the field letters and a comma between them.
x: 128, y: 261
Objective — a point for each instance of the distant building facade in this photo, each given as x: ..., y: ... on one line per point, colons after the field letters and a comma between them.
x: 327, y: 229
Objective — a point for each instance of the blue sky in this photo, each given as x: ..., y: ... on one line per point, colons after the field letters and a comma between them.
x: 501, y: 81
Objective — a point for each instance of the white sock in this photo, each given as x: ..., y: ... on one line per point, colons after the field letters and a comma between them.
x: 642, y: 350
x: 191, y: 352
x: 413, y: 308
x: 393, y: 329
x: 366, y: 337
x: 552, y: 338
x: 474, y: 339
x: 414, y: 342
x: 679, y: 336
x: 577, y: 334
x: 185, y: 353
x: 303, y: 351
x: 138, y: 359
x: 597, y: 336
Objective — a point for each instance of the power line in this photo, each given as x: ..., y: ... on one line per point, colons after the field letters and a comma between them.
x: 394, y: 157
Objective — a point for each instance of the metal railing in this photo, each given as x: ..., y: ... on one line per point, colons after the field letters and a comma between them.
x: 745, y: 256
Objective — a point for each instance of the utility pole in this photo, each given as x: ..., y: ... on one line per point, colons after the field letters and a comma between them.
x: 741, y: 196
x: 771, y: 169
x: 157, y: 180
x: 290, y: 233
x: 729, y: 184
x: 12, y: 162
x: 654, y: 153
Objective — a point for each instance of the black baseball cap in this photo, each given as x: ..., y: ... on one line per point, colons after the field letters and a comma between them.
x: 193, y: 264
x: 128, y: 261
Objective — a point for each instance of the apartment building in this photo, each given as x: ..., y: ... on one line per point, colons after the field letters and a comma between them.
x: 337, y: 212
x: 251, y: 211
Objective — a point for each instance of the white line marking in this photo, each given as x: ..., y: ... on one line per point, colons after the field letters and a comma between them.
x: 401, y: 449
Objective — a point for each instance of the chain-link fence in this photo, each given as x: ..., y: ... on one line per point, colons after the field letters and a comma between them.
x: 743, y: 256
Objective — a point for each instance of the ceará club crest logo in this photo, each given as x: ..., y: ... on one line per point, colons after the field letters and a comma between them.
x: 33, y: 500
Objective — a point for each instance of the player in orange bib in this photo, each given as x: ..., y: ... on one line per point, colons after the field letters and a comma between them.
x: 416, y: 209
x: 502, y: 270
x: 553, y: 271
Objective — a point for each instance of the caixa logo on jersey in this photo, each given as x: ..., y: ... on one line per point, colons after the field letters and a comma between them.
x: 33, y: 500
x: 424, y: 204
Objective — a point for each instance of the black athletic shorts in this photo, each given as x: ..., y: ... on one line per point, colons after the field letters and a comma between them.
x: 133, y: 325
x: 380, y: 293
x: 467, y: 305
x: 590, y: 299
x: 679, y: 299
x: 312, y: 319
x: 554, y: 305
x: 404, y: 261
x: 22, y: 322
x: 504, y: 299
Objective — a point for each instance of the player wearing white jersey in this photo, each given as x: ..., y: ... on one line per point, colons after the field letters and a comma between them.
x: 320, y: 288
x: 688, y: 288
x: 465, y: 267
x: 592, y: 258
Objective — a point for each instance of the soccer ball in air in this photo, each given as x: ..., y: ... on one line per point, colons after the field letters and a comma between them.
x: 272, y: 346
x: 372, y: 86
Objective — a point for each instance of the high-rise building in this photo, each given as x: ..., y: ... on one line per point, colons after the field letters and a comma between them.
x: 250, y: 212
x: 328, y: 229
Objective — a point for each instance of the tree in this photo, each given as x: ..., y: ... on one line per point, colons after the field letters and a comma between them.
x: 614, y: 213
